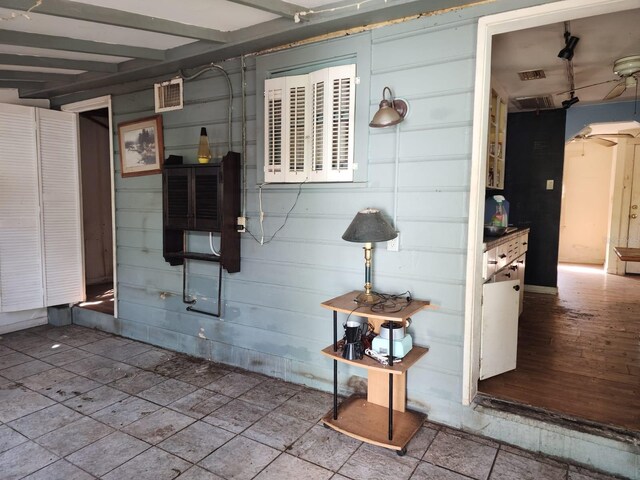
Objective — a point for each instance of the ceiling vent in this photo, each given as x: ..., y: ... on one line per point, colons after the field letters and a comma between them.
x: 531, y: 75
x: 168, y: 95
x: 534, y: 103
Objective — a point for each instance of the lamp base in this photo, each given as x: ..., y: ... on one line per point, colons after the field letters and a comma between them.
x: 367, y: 299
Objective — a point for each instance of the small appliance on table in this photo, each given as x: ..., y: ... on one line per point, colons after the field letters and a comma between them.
x: 364, y: 418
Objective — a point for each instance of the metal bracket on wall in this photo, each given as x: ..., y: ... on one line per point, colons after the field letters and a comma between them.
x: 192, y: 302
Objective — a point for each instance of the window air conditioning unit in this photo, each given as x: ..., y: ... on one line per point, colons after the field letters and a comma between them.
x: 168, y: 95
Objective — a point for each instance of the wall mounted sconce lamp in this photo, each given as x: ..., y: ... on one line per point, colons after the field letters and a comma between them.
x: 389, y: 112
x: 368, y: 226
x: 570, y: 43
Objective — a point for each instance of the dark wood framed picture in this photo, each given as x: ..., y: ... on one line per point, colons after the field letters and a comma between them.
x: 141, y: 146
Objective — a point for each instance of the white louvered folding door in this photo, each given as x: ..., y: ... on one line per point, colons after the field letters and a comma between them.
x: 21, y: 284
x: 61, y: 208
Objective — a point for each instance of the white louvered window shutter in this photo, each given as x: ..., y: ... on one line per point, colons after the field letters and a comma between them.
x: 61, y: 218
x: 21, y: 284
x: 319, y: 114
x: 309, y: 125
x: 341, y: 123
x: 274, y: 130
x: 296, y: 128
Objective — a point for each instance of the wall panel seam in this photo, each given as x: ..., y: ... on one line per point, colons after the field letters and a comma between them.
x: 413, y: 66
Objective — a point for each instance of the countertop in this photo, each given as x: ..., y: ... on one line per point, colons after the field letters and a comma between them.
x: 491, y: 242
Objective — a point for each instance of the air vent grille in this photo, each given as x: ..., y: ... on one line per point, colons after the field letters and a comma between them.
x: 534, y: 103
x: 531, y: 75
x: 168, y: 95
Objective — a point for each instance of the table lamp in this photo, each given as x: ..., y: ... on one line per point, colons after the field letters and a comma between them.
x: 368, y: 226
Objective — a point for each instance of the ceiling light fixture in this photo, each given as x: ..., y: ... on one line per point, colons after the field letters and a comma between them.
x: 389, y: 112
x: 573, y: 100
x: 570, y: 43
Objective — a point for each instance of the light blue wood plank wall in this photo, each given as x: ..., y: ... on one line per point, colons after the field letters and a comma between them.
x: 272, y: 321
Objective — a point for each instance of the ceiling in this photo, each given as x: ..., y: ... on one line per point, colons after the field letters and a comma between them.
x: 603, y: 39
x: 60, y: 47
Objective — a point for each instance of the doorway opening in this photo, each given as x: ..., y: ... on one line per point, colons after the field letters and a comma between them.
x: 96, y: 210
x: 585, y: 338
x: 95, y: 138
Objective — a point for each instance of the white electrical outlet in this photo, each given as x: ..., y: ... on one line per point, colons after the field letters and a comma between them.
x: 241, y: 223
x: 549, y: 184
x: 394, y: 245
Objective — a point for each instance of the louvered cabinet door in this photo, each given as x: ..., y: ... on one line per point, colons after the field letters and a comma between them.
x: 207, y: 198
x: 176, y: 197
x: 61, y: 208
x: 21, y: 286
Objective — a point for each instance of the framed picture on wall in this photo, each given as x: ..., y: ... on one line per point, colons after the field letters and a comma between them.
x: 141, y: 146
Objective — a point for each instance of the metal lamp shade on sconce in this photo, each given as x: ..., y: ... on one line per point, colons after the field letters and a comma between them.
x: 368, y: 226
x: 390, y: 112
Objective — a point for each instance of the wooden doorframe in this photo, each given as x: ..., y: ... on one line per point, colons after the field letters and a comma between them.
x: 487, y: 27
x: 622, y: 186
x: 87, y: 106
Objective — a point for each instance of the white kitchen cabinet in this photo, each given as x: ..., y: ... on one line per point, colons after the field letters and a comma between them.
x: 497, y: 140
x: 499, y: 344
x: 502, y: 296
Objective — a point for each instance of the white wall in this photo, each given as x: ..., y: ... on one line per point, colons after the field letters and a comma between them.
x: 10, y: 95
x: 585, y: 203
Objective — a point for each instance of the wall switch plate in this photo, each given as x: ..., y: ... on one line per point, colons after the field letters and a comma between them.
x: 549, y: 184
x: 394, y: 245
x: 241, y: 224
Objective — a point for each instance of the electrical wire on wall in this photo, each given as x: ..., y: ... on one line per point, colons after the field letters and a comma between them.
x: 262, y: 241
x: 243, y: 79
x: 190, y: 300
x: 209, y: 68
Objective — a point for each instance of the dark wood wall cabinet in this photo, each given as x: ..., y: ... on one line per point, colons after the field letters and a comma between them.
x: 203, y: 198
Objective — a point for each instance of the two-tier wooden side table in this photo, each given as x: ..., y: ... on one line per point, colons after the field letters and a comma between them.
x: 381, y: 418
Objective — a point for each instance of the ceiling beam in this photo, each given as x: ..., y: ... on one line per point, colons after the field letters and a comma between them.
x: 24, y: 39
x: 48, y: 62
x: 19, y: 84
x: 120, y: 18
x: 256, y: 38
x: 34, y: 76
x: 277, y: 7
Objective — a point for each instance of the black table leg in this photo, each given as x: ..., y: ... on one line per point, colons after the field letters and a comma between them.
x: 335, y: 366
x: 390, y: 381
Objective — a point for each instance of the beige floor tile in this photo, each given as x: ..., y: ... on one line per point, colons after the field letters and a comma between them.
x: 325, y: 447
x: 196, y: 441
x: 461, y: 455
x: 286, y: 466
x: 239, y: 459
x: 107, y: 453
x: 158, y: 426
x: 153, y: 464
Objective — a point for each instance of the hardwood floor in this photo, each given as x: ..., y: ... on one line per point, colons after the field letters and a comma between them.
x: 99, y: 298
x: 579, y: 351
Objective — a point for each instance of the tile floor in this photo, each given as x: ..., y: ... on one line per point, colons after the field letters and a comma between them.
x: 77, y: 404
